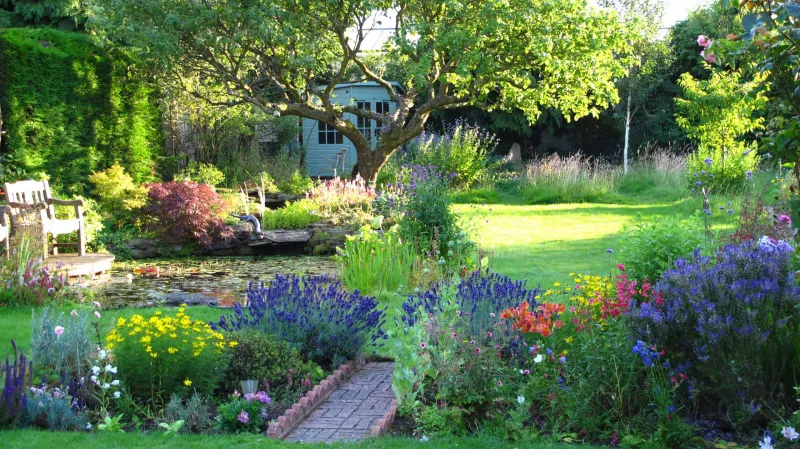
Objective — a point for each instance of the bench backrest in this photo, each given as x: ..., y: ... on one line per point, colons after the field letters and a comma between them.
x: 30, y: 192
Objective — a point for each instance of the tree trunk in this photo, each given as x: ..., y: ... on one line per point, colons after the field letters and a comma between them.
x: 627, y: 133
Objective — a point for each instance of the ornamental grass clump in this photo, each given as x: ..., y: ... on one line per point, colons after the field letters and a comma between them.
x: 314, y: 314
x: 163, y: 354
x: 734, y: 319
x: 373, y: 262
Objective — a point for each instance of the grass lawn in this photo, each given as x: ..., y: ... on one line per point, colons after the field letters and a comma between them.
x: 544, y: 243
x: 63, y: 440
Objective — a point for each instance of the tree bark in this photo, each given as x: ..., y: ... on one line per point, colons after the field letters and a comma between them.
x: 627, y: 133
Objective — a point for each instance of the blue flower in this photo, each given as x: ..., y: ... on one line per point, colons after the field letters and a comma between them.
x: 698, y: 183
x: 708, y: 161
x: 610, y: 251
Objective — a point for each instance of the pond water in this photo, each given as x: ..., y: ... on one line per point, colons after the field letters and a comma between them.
x: 221, y: 279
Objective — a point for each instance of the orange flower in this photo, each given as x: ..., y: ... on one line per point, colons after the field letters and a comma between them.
x: 540, y: 322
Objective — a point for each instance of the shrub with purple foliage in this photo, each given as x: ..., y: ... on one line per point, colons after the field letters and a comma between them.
x: 18, y: 374
x: 734, y: 318
x: 314, y: 314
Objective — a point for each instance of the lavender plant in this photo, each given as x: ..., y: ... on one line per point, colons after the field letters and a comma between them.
x: 734, y: 318
x: 18, y: 373
x: 314, y: 314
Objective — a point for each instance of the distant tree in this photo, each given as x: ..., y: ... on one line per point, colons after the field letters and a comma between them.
x: 66, y: 14
x: 285, y: 57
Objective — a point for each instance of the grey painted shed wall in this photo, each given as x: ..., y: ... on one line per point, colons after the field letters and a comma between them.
x: 332, y: 159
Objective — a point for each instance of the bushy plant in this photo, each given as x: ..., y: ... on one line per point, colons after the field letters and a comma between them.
x: 119, y: 197
x: 61, y: 343
x: 373, y: 262
x: 463, y: 150
x: 313, y: 314
x: 244, y: 414
x: 294, y: 215
x: 297, y: 184
x: 343, y: 202
x: 26, y: 279
x: 194, y: 412
x: 182, y: 211
x: 649, y: 247
x: 201, y: 173
x: 733, y: 318
x: 717, y: 113
x: 17, y: 377
x: 55, y: 410
x: 262, y: 357
x: 420, y: 204
x: 163, y: 354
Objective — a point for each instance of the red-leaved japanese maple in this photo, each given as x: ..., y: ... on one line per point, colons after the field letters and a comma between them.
x: 181, y: 211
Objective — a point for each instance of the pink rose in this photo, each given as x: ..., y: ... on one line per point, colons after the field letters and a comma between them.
x: 59, y: 330
x: 708, y: 57
x: 703, y: 41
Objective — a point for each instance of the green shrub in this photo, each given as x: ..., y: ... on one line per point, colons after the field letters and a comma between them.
x: 118, y: 196
x: 71, y: 106
x: 265, y: 358
x: 296, y: 215
x: 241, y: 415
x: 297, y: 184
x: 371, y: 262
x: 201, y: 173
x: 650, y: 247
x: 463, y: 151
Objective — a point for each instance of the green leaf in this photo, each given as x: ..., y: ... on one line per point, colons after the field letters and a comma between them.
x: 749, y: 21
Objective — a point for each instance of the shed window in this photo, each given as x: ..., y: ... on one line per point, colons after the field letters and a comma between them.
x: 328, y: 135
x: 364, y: 125
x: 381, y: 107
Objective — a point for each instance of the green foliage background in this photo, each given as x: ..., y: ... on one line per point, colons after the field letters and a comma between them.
x: 71, y: 107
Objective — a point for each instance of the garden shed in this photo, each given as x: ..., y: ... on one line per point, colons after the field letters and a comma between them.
x: 330, y: 153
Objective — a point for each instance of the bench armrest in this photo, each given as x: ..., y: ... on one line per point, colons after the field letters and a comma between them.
x: 57, y: 202
x: 12, y: 205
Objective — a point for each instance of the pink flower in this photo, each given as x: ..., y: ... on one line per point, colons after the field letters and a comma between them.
x: 620, y: 267
x: 499, y: 383
x: 478, y: 350
x: 74, y: 312
x: 96, y: 314
x: 422, y: 345
x: 453, y: 335
x: 708, y: 57
x: 243, y: 417
x: 703, y: 41
x: 526, y: 372
x: 784, y: 219
x: 59, y: 330
x: 96, y: 304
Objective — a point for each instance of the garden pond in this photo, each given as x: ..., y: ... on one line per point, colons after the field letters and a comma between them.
x: 196, y: 281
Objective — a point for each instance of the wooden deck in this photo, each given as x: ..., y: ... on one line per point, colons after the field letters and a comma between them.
x: 87, y: 265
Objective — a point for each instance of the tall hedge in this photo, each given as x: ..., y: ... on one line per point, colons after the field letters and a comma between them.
x: 71, y: 107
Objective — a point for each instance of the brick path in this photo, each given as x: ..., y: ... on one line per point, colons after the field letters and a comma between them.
x: 352, y: 410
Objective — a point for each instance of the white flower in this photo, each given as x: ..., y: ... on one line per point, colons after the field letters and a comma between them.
x: 94, y: 378
x: 766, y: 443
x: 96, y: 369
x: 424, y: 438
x: 538, y: 358
x: 116, y: 394
x: 88, y: 426
x: 111, y: 369
x: 520, y: 399
x: 106, y: 386
x: 115, y: 383
x: 790, y: 434
x: 103, y: 353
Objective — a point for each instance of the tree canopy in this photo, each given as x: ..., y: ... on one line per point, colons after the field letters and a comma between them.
x: 285, y: 56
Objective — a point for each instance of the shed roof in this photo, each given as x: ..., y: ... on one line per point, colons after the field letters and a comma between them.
x: 394, y: 84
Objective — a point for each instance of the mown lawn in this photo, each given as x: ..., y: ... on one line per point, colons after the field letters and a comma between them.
x: 542, y: 244
x: 65, y: 440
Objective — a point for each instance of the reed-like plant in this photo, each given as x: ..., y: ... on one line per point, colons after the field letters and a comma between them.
x: 25, y: 278
x: 373, y: 262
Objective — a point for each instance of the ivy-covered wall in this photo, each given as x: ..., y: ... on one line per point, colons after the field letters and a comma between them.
x: 71, y: 107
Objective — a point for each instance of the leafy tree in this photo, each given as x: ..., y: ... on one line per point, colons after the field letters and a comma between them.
x: 717, y: 112
x: 66, y: 14
x: 285, y: 57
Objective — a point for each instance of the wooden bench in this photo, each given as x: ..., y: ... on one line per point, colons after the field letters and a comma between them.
x: 35, y: 193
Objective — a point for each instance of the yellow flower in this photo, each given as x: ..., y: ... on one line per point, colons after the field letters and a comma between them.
x: 146, y: 339
x: 154, y: 355
x: 157, y: 313
x: 571, y: 274
x: 233, y: 344
x: 557, y: 284
x: 120, y: 322
x: 187, y: 382
x: 568, y: 339
x: 173, y: 335
x: 148, y: 349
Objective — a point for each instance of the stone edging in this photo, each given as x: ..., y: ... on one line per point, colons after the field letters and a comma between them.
x: 384, y: 424
x: 300, y: 410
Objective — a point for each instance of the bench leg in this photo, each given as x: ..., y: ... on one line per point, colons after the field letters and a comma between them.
x: 81, y: 239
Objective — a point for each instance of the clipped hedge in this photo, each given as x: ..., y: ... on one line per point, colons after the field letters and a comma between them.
x: 71, y: 107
